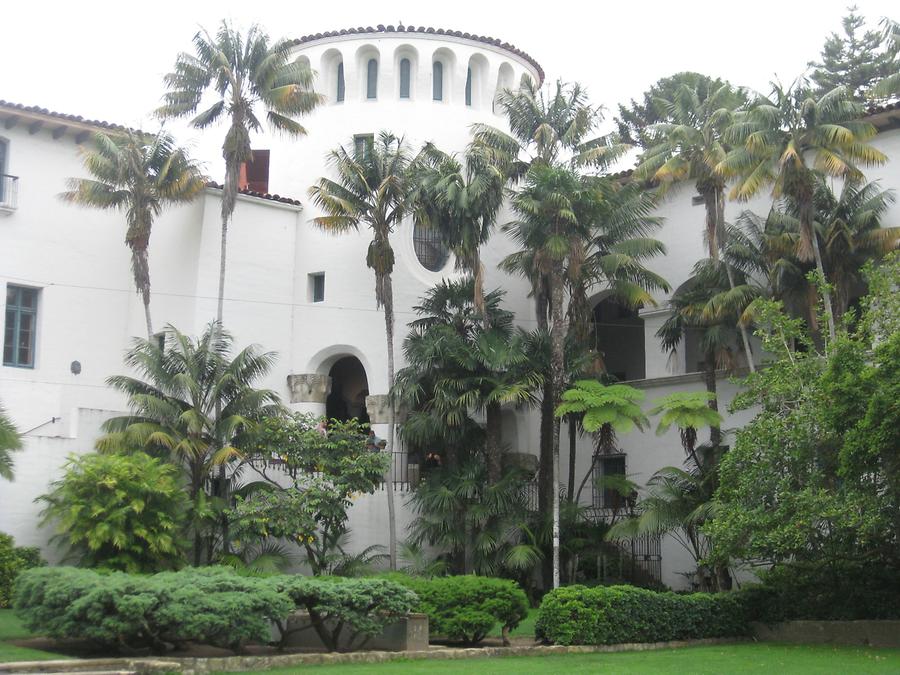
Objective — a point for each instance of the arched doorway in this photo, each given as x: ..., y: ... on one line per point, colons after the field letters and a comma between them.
x: 619, y: 337
x: 349, y: 388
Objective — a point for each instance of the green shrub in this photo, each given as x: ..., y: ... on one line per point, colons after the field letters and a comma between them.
x: 831, y: 591
x: 577, y: 615
x: 466, y: 608
x: 356, y: 609
x: 13, y: 560
x: 114, y: 609
x: 124, y: 512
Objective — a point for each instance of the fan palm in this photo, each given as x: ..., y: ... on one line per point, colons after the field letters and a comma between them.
x: 688, y: 147
x: 139, y: 174
x: 462, y: 201
x: 192, y: 401
x: 458, y: 365
x: 10, y: 442
x: 245, y: 72
x: 371, y: 190
x: 787, y: 139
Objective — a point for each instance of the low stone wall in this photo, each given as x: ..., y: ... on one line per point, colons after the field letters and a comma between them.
x: 192, y: 666
x: 849, y: 633
x: 407, y: 634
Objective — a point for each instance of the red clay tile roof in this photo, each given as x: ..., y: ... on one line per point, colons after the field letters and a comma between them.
x: 259, y: 195
x: 380, y: 28
x: 61, y: 116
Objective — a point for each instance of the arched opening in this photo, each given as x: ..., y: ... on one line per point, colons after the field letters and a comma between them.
x: 341, y: 87
x: 372, y: 79
x: 619, y: 338
x: 504, y: 81
x: 404, y: 78
x: 430, y: 248
x: 437, y: 81
x: 349, y: 388
x: 476, y: 76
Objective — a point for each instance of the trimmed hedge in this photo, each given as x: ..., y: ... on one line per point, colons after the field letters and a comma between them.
x: 13, y: 560
x: 602, y: 615
x: 467, y: 608
x: 212, y: 605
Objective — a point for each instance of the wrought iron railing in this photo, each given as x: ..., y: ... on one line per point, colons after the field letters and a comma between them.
x: 9, y: 191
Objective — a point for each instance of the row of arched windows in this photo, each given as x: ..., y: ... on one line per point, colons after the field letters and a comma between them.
x: 437, y: 81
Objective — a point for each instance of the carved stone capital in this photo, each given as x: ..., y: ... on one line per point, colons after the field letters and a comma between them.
x: 379, y: 408
x: 309, y: 387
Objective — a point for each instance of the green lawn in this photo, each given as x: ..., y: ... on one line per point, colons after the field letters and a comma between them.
x: 524, y: 629
x: 741, y: 658
x: 12, y: 629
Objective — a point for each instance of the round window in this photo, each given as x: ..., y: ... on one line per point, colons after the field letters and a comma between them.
x: 429, y: 247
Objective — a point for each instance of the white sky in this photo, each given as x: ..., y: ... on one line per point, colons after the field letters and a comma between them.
x: 105, y: 60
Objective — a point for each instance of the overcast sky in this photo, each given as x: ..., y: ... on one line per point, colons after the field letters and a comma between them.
x: 105, y: 60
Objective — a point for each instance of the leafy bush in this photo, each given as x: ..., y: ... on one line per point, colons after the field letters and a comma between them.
x: 211, y: 605
x: 361, y: 606
x: 577, y: 615
x: 824, y: 591
x: 466, y: 608
x: 14, y: 559
x: 124, y: 512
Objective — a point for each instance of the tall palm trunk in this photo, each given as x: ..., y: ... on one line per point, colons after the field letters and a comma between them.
x: 545, y: 465
x: 388, y: 298
x: 709, y: 377
x: 573, y: 451
x: 558, y: 375
x: 138, y: 240
x: 720, y: 223
x: 809, y: 240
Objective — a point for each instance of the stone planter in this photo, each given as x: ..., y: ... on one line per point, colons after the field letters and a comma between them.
x: 407, y: 634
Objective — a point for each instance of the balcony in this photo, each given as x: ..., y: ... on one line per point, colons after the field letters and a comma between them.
x: 9, y: 194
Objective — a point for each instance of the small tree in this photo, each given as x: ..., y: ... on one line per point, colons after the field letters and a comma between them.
x: 608, y: 410
x: 689, y: 412
x: 124, y: 512
x: 327, y: 472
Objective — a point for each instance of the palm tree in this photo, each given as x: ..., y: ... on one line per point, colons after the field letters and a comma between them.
x: 195, y: 403
x: 371, y: 190
x: 680, y: 501
x: 551, y: 141
x: 789, y: 138
x: 698, y: 310
x: 459, y: 364
x: 462, y: 201
x: 245, y: 73
x: 608, y: 410
x: 139, y: 174
x: 10, y: 442
x: 890, y: 86
x: 689, y: 146
x: 688, y: 412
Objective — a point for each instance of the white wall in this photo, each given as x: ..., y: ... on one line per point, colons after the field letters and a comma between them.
x: 88, y: 309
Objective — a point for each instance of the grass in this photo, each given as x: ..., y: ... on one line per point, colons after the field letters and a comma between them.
x: 524, y: 629
x: 739, y: 659
x: 11, y: 628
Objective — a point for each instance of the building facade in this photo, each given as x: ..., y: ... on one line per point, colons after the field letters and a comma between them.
x: 71, y: 310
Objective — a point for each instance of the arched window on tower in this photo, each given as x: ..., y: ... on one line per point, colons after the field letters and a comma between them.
x: 372, y: 79
x: 469, y: 87
x: 404, y: 78
x: 430, y: 248
x: 437, y: 81
x: 340, y: 82
x: 619, y: 339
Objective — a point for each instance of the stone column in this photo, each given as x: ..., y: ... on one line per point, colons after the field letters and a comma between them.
x: 308, y: 392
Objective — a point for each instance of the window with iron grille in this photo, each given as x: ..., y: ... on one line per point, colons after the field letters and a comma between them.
x: 21, y: 326
x: 429, y: 247
x: 604, y: 496
x: 362, y: 144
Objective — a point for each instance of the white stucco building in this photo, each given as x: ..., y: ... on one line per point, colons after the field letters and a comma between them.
x: 71, y: 309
